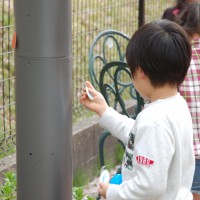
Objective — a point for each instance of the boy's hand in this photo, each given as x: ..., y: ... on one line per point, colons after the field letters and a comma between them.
x: 98, y: 104
x: 103, y: 189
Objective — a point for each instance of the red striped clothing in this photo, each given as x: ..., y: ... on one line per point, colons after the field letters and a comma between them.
x: 190, y: 90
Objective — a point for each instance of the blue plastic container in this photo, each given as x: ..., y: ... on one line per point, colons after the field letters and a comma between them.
x: 116, y: 179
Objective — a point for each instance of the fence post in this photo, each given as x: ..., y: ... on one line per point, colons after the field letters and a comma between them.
x: 43, y: 99
x: 141, y: 13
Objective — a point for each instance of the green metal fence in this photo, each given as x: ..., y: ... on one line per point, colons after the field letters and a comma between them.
x: 89, y: 19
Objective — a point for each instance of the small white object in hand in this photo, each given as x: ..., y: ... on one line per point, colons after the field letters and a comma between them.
x: 88, y: 93
x: 104, y: 176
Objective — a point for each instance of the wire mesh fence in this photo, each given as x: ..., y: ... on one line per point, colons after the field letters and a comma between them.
x: 7, y: 80
x: 89, y: 19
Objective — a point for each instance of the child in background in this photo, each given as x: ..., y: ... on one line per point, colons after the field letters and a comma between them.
x: 172, y: 12
x: 189, y: 19
x: 159, y: 158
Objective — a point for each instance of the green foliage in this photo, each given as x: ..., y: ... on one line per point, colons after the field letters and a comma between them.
x: 119, y: 153
x: 80, y: 179
x: 8, y: 190
x: 90, y: 198
x: 10, y: 150
x: 110, y: 161
x: 78, y: 194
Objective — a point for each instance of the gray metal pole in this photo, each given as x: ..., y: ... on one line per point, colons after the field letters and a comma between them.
x: 43, y: 99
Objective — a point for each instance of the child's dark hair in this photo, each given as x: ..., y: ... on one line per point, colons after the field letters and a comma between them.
x: 180, y: 3
x: 171, y: 12
x: 162, y: 50
x: 189, y: 18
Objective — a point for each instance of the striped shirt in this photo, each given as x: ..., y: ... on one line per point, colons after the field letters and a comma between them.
x: 190, y: 90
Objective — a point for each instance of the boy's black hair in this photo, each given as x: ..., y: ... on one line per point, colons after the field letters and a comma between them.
x: 162, y: 50
x: 189, y: 18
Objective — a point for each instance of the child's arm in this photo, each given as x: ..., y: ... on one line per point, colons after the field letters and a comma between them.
x: 117, y: 124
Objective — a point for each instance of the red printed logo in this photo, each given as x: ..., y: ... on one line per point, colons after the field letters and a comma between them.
x: 144, y: 161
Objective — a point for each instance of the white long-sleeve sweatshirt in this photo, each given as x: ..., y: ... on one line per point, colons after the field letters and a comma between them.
x: 159, y: 160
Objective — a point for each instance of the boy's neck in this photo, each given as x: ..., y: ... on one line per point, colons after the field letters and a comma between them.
x: 163, y: 92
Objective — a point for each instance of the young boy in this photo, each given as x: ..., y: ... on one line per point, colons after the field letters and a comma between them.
x: 158, y: 162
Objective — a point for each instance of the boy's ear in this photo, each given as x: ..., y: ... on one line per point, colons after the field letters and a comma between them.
x: 141, y: 73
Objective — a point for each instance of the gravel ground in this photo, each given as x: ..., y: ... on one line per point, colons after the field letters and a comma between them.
x: 92, y: 188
